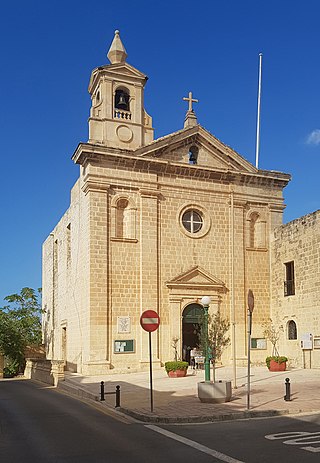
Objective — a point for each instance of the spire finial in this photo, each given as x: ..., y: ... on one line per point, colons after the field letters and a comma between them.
x: 117, y: 53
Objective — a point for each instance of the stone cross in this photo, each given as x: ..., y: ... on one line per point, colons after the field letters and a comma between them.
x: 191, y: 100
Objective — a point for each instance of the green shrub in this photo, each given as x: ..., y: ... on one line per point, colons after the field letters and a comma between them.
x: 278, y: 359
x: 11, y: 369
x: 20, y: 326
x: 176, y: 365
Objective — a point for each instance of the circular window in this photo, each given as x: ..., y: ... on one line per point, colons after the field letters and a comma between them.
x: 192, y: 221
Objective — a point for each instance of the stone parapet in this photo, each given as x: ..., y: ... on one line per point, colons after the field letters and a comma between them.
x: 47, y: 371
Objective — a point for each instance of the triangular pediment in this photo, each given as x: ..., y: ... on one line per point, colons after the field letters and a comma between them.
x: 116, y: 71
x: 196, y: 278
x: 125, y: 68
x: 212, y: 152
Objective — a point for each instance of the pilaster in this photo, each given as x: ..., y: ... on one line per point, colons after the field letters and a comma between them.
x: 149, y: 266
x: 96, y: 189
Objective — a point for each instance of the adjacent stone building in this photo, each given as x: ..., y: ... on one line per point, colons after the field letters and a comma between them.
x: 154, y: 224
x: 296, y: 289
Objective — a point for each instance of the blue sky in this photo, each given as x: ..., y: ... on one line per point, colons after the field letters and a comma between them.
x: 209, y: 47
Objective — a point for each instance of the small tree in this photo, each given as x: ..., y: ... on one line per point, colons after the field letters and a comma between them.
x: 20, y: 326
x: 218, y: 339
x: 272, y: 330
x: 174, y: 345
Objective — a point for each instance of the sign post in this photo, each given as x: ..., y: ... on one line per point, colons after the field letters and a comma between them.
x: 150, y: 321
x: 250, y: 310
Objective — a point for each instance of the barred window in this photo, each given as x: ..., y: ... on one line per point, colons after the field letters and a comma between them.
x: 292, y: 329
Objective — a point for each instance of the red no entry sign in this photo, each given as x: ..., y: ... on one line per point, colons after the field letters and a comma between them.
x: 150, y: 320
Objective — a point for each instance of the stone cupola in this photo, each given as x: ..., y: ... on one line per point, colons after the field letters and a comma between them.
x: 117, y: 116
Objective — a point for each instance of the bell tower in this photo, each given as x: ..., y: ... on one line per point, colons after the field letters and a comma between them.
x: 117, y: 115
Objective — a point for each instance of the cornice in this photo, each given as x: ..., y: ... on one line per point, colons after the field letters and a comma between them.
x: 121, y: 72
x: 94, y: 183
x: 149, y: 193
x: 198, y: 286
x: 277, y: 207
x: 87, y: 152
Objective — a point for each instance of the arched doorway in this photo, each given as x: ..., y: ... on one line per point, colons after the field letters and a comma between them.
x: 191, y: 320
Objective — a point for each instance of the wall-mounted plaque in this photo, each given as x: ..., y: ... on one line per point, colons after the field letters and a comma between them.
x: 124, y: 325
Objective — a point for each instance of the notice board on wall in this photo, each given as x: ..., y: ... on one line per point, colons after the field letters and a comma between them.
x: 122, y: 346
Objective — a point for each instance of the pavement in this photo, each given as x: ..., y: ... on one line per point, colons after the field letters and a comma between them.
x: 175, y: 400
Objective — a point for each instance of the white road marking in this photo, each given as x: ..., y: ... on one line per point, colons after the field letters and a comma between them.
x: 286, y: 435
x: 195, y: 445
x: 298, y: 438
x: 312, y: 438
x: 311, y: 449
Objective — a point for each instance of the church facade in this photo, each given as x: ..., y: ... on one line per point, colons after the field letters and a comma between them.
x: 154, y: 224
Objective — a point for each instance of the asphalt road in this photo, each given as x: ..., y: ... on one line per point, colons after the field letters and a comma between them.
x: 275, y: 440
x: 39, y: 424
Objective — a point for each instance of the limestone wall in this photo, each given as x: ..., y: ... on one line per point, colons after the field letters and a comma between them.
x: 298, y: 242
x: 65, y: 287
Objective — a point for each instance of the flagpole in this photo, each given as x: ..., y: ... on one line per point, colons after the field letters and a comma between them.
x: 258, y: 112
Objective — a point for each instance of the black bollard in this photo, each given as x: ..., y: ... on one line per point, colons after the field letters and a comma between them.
x: 287, y: 397
x: 102, y: 390
x: 117, y: 396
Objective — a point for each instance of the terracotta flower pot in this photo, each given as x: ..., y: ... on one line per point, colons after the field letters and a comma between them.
x: 275, y: 366
x: 177, y: 373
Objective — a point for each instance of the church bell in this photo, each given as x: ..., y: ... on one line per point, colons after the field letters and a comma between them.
x: 122, y: 104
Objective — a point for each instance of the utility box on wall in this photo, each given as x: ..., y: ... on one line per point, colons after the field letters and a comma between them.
x: 306, y: 341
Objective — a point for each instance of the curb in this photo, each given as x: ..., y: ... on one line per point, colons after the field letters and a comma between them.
x: 205, y: 418
x: 148, y: 418
x: 77, y: 391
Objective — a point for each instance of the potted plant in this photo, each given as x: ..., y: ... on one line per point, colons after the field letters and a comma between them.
x: 276, y: 363
x: 218, y: 338
x: 176, y: 368
x: 214, y: 342
x: 272, y: 331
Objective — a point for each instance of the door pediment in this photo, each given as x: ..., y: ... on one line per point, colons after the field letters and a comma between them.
x: 196, y: 279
